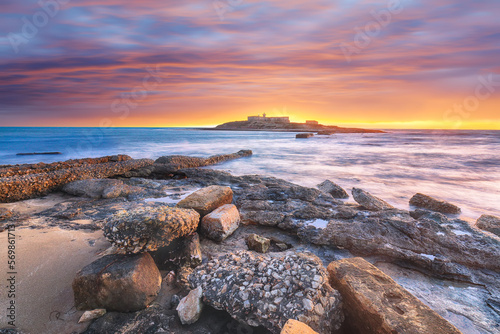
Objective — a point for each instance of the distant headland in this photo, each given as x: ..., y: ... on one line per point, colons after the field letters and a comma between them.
x: 264, y: 123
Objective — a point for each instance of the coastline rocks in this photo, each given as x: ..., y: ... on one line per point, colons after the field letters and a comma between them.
x: 20, y: 183
x: 97, y: 188
x: 429, y: 203
x: 184, y: 251
x: 333, y: 189
x: 267, y: 290
x: 220, y: 223
x: 181, y: 161
x: 190, y: 307
x: 486, y: 223
x: 5, y: 214
x: 374, y: 303
x: 368, y: 201
x: 123, y: 283
x: 147, y: 227
x: 258, y: 243
x: 304, y: 135
x: 207, y: 199
x: 296, y: 327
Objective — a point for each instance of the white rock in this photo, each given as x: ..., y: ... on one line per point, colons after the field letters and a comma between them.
x: 91, y: 315
x: 190, y: 307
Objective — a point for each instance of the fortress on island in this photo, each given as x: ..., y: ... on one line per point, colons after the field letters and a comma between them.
x: 284, y: 119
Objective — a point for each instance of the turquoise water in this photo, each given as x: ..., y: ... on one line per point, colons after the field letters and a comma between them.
x: 460, y: 166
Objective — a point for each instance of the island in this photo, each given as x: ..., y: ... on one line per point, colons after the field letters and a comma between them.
x: 264, y: 123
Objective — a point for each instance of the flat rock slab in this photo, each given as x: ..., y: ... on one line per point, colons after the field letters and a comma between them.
x: 97, y: 188
x: 221, y: 223
x: 489, y: 223
x: 430, y: 203
x: 123, y: 283
x: 207, y: 199
x: 369, y: 201
x: 374, y: 303
x: 267, y: 290
x: 148, y: 227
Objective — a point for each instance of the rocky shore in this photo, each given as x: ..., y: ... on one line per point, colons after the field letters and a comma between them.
x: 203, y: 251
x: 289, y: 127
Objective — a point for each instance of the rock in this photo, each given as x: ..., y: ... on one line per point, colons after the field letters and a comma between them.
x: 268, y: 289
x: 5, y: 214
x: 429, y: 203
x: 296, y: 327
x: 304, y: 135
x: 190, y: 307
x: 184, y: 251
x: 91, y: 315
x: 374, y: 303
x: 489, y: 223
x: 123, y: 283
x: 174, y: 301
x: 333, y: 189
x: 369, y: 201
x: 28, y: 181
x: 180, y: 161
x: 149, y: 226
x: 221, y: 223
x: 258, y: 243
x: 97, y: 188
x: 154, y: 319
x: 207, y: 199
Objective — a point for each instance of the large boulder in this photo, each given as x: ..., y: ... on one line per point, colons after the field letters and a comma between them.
x: 149, y: 226
x: 97, y: 188
x: 429, y: 203
x: 369, y: 201
x: 333, y: 189
x: 123, y: 283
x: 489, y: 223
x: 207, y: 199
x: 190, y: 307
x: 374, y: 303
x: 184, y: 251
x: 221, y: 223
x: 268, y: 289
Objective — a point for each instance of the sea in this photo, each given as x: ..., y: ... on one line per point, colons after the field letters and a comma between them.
x: 459, y: 166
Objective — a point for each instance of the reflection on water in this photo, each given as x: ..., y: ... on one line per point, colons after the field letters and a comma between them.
x: 460, y: 166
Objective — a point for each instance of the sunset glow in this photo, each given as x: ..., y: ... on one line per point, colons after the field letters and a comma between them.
x: 376, y: 64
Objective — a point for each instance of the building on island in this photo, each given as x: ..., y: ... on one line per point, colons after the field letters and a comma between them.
x: 263, y: 118
x: 312, y: 122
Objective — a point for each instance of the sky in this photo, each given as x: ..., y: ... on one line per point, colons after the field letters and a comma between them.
x: 367, y: 63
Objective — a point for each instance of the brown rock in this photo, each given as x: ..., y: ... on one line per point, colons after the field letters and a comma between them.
x: 123, y: 283
x: 296, y: 327
x: 369, y: 201
x: 429, y: 203
x: 190, y: 307
x: 489, y: 223
x: 207, y: 199
x: 333, y: 189
x: 374, y: 303
x: 5, y: 214
x: 258, y: 243
x: 304, y: 135
x: 221, y: 223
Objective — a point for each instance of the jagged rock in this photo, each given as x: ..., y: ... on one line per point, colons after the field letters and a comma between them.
x: 333, y: 189
x: 184, y: 251
x: 97, y: 188
x: 374, y: 303
x: 28, y: 181
x: 181, y: 161
x: 257, y: 243
x: 207, y: 199
x: 369, y: 201
x: 429, y: 203
x: 147, y: 227
x: 154, y: 319
x: 441, y: 246
x: 123, y: 283
x: 221, y: 223
x: 489, y: 223
x: 91, y: 315
x: 5, y: 214
x: 269, y: 289
x: 190, y: 307
x: 296, y: 327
